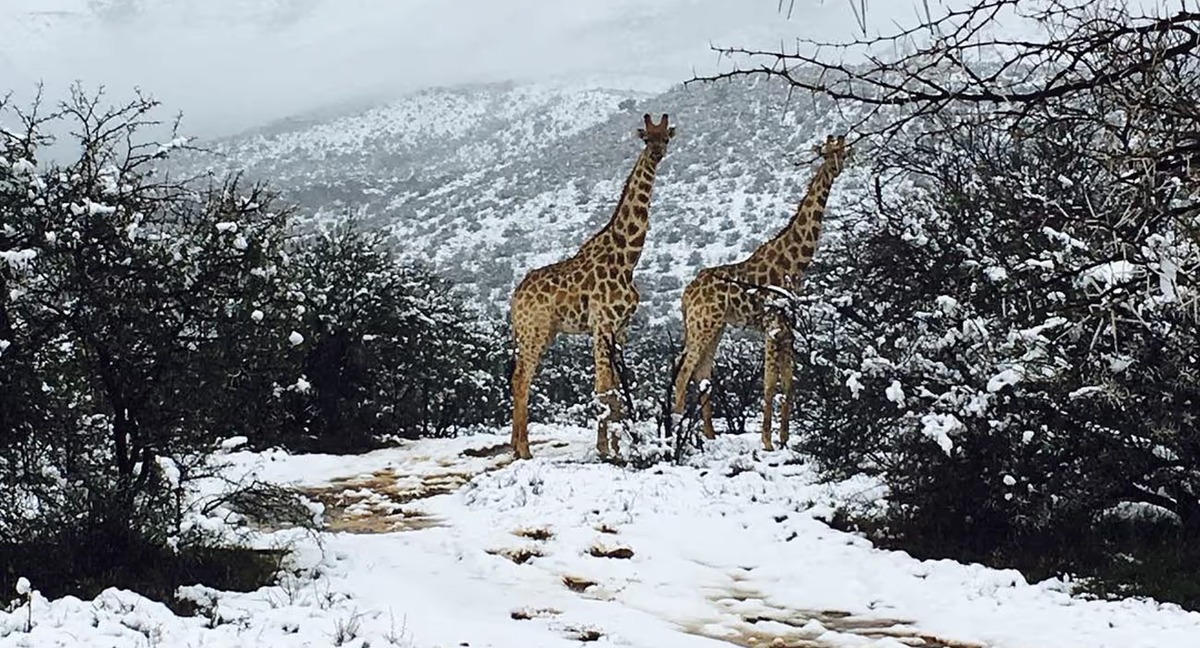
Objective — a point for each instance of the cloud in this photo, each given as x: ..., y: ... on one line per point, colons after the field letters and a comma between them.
x: 233, y: 64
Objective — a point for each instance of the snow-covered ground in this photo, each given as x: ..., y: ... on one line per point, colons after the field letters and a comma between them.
x: 449, y: 543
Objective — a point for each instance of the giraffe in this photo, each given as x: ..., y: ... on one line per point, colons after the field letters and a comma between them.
x: 591, y: 292
x: 736, y: 294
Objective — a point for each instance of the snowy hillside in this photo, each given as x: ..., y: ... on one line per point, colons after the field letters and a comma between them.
x: 490, y: 181
x: 443, y: 543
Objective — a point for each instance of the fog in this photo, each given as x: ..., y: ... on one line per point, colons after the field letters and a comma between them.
x: 233, y: 64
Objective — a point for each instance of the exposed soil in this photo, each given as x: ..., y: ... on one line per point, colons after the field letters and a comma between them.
x: 781, y: 628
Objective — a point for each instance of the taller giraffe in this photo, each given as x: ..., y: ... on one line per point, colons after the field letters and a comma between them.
x: 737, y: 293
x: 591, y: 292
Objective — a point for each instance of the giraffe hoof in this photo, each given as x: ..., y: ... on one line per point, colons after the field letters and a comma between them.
x: 768, y: 447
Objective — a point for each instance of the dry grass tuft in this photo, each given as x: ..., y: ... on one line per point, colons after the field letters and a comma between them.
x: 520, y: 555
x: 525, y: 614
x: 577, y: 583
x: 601, y: 551
x: 535, y: 533
x: 583, y: 634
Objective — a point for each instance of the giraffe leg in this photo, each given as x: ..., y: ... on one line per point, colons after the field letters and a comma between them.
x: 621, y: 336
x: 770, y: 375
x: 531, y: 344
x: 786, y: 359
x: 605, y: 388
x: 705, y: 377
x: 699, y: 338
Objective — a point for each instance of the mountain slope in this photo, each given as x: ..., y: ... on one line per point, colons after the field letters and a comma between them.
x: 489, y: 181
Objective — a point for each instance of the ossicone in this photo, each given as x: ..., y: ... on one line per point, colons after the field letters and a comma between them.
x: 650, y: 123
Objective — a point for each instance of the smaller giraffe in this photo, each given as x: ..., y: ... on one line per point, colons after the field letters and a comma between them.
x: 592, y: 292
x: 737, y: 294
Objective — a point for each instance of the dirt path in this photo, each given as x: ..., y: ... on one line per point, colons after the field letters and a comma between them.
x: 389, y: 500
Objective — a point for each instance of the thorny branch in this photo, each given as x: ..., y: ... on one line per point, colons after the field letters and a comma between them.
x: 957, y: 63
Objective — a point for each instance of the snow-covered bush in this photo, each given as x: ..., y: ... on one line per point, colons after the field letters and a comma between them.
x: 125, y: 331
x: 390, y: 349
x: 1011, y: 342
x: 144, y: 318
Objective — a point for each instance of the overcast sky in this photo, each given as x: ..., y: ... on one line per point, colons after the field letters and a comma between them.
x: 233, y: 64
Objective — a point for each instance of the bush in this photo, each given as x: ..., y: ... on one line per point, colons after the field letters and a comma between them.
x: 1010, y: 347
x: 143, y: 319
x: 123, y: 301
x: 391, y: 349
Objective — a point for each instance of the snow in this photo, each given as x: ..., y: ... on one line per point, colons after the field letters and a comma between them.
x: 295, y: 338
x: 854, y: 384
x: 1109, y: 274
x: 939, y: 427
x: 18, y: 259
x: 233, y: 442
x: 1086, y: 390
x: 92, y: 208
x: 732, y: 546
x: 22, y: 166
x: 1009, y: 376
x: 995, y: 273
x: 23, y: 586
x: 895, y: 393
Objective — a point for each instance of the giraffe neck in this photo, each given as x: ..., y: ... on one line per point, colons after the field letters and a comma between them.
x: 625, y: 234
x: 791, y: 251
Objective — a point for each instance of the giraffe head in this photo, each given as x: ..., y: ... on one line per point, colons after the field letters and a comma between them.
x: 656, y: 136
x: 835, y: 152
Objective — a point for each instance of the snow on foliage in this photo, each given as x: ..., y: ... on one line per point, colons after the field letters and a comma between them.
x: 939, y: 427
x: 1009, y: 376
x: 18, y: 259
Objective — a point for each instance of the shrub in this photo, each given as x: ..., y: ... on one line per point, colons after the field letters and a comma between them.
x: 123, y: 322
x: 1011, y: 347
x: 392, y: 349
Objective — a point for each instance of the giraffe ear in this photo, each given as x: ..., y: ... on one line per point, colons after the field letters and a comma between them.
x: 671, y: 132
x: 641, y: 133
